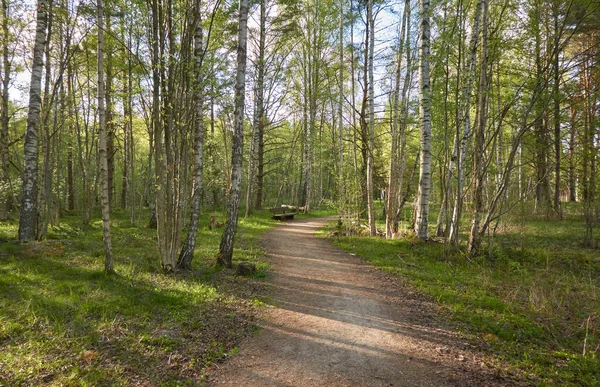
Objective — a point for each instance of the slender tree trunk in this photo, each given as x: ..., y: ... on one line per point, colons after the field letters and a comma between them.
x: 340, y: 104
x: 572, y: 142
x: 46, y: 112
x: 126, y: 143
x: 28, y: 216
x: 422, y: 205
x: 259, y: 114
x: 557, y: 137
x: 110, y: 126
x: 478, y: 156
x: 108, y: 260
x: 392, y: 190
x: 371, y: 104
x: 5, y: 184
x: 226, y: 248
x: 403, y: 125
x: 464, y: 119
x: 187, y: 250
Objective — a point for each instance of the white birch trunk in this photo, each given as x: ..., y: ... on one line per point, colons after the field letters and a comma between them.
x: 225, y: 254
x: 28, y: 216
x: 187, y: 250
x: 422, y: 205
x: 108, y: 261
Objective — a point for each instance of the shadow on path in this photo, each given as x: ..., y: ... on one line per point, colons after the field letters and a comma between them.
x: 338, y: 322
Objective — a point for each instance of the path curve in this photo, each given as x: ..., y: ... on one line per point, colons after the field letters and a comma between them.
x: 339, y: 322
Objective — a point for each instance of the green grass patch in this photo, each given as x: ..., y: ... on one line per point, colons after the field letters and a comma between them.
x: 64, y: 322
x: 531, y: 297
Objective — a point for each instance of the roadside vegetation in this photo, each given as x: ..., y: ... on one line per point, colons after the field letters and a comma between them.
x: 64, y: 322
x: 531, y: 297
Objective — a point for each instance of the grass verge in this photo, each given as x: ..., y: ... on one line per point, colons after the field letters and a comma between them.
x: 531, y: 297
x: 63, y: 322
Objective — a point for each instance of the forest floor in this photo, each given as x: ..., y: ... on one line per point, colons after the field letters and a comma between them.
x: 337, y: 321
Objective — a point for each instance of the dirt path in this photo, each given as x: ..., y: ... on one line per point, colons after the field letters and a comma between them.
x: 339, y: 322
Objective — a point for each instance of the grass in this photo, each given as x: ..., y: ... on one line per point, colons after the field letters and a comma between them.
x: 531, y: 297
x: 64, y: 322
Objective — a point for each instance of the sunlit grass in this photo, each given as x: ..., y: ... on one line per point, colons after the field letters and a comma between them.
x: 533, y: 293
x: 64, y: 322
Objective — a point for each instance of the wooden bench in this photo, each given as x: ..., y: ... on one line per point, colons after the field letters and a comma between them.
x: 282, y: 213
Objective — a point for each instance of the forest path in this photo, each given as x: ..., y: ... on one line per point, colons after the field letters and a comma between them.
x: 339, y: 322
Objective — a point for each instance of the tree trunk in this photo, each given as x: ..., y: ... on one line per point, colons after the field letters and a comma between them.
x: 478, y: 156
x: 572, y: 142
x: 556, y: 92
x: 28, y: 216
x: 392, y: 189
x: 422, y: 205
x: 464, y: 119
x: 402, y: 128
x: 226, y: 248
x: 371, y: 103
x: 260, y: 116
x: 187, y: 250
x: 5, y: 184
x: 108, y: 261
x: 47, y: 170
x: 340, y: 117
x: 110, y: 125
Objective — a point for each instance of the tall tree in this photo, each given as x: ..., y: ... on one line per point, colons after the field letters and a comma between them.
x: 104, y: 187
x: 225, y: 254
x: 480, y: 131
x: 260, y: 115
x: 371, y: 104
x: 392, y: 190
x: 187, y: 250
x: 422, y: 206
x: 5, y: 184
x: 464, y: 122
x: 28, y: 216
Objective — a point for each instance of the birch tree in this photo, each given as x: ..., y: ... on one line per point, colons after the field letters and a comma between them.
x: 28, y: 216
x: 187, y: 250
x: 225, y: 254
x: 464, y: 120
x: 422, y: 205
x: 108, y: 262
x: 392, y: 190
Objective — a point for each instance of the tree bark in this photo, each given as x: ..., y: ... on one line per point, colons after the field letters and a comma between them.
x: 392, y: 189
x: 340, y: 105
x: 187, y: 250
x: 225, y: 254
x: 464, y: 119
x: 478, y: 156
x: 28, y: 216
x: 5, y: 184
x: 108, y: 261
x: 556, y: 92
x: 371, y: 104
x: 422, y: 205
x: 260, y: 117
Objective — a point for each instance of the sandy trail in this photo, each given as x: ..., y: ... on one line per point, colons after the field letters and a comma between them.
x: 339, y: 322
